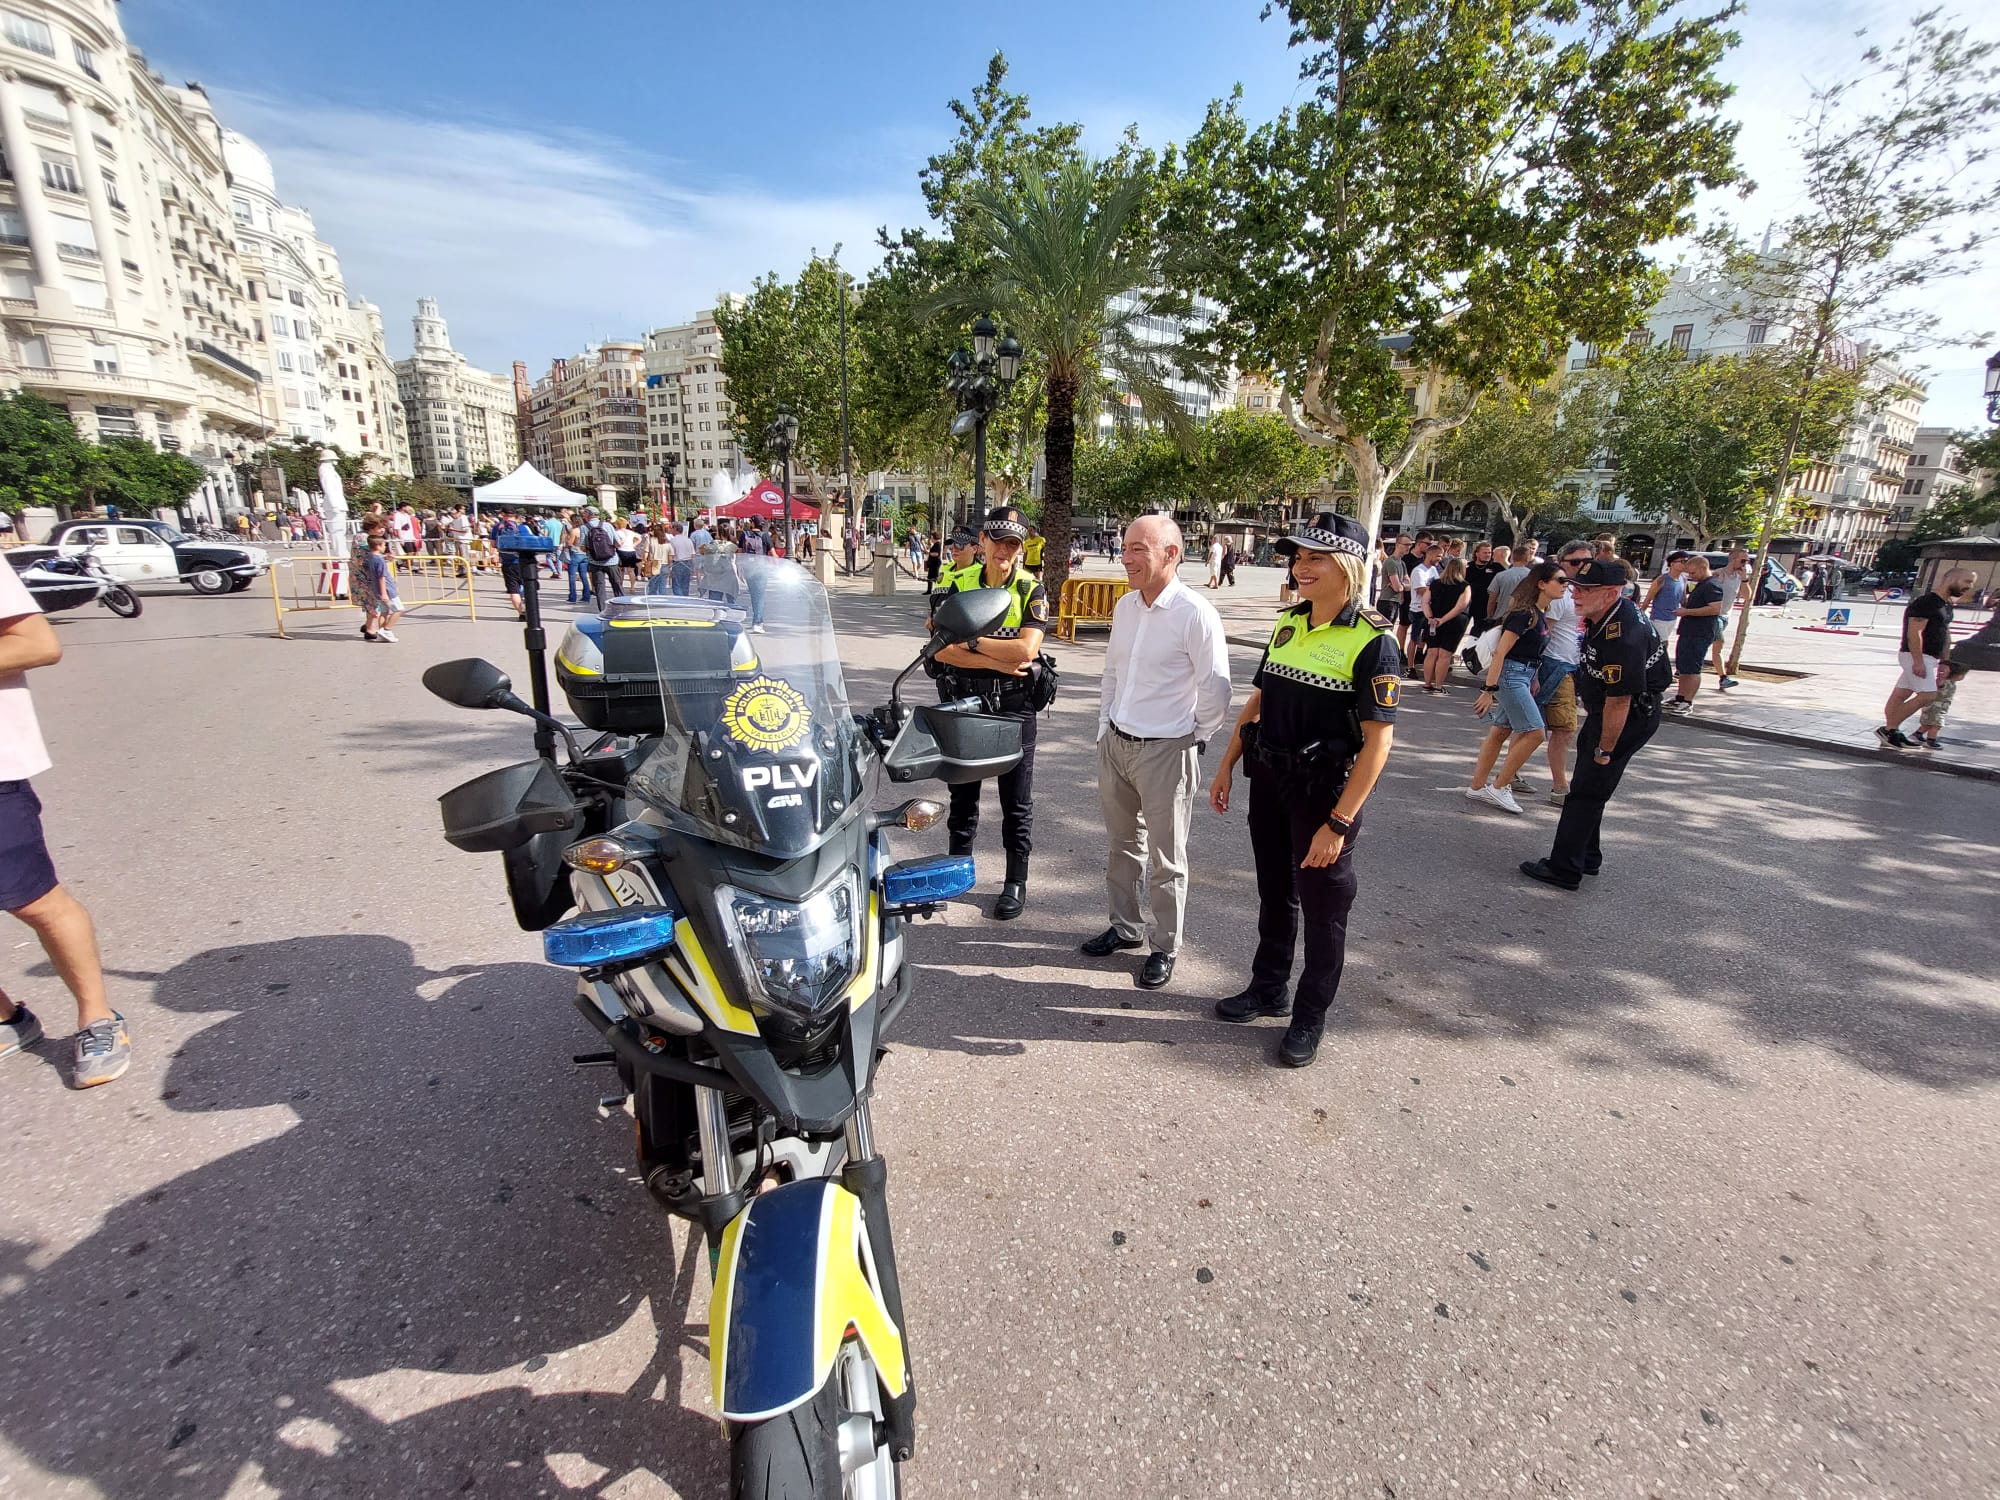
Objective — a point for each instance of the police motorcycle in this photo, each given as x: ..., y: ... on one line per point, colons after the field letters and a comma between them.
x: 714, y: 868
x: 59, y: 583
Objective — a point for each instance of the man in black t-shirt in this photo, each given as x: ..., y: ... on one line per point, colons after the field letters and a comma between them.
x: 1926, y: 645
x: 1700, y: 616
x: 1620, y: 680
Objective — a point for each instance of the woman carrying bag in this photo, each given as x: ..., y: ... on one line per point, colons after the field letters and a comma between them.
x: 1512, y: 675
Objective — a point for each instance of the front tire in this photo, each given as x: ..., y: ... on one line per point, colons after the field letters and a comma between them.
x: 823, y: 1450
x: 239, y: 582
x: 209, y: 581
x: 122, y: 602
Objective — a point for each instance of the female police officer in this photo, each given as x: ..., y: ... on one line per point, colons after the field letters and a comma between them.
x: 1003, y: 668
x: 1316, y: 733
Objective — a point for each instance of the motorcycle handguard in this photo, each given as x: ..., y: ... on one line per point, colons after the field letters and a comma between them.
x: 796, y: 1271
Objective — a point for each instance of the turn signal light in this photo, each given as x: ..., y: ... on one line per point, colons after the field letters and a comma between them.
x: 600, y: 856
x: 922, y: 814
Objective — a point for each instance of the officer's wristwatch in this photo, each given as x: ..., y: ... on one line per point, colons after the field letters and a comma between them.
x: 1340, y: 825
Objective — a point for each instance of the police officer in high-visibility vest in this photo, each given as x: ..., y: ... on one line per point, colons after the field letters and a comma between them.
x: 1316, y: 735
x: 1003, y: 668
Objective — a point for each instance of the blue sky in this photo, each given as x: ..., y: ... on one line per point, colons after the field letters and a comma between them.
x: 556, y: 175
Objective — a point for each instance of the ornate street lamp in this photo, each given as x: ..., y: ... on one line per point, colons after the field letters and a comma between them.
x: 979, y: 381
x: 668, y: 463
x: 780, y: 437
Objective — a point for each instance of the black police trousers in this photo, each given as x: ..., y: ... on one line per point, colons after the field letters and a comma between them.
x: 1590, y: 787
x: 1283, y: 820
x: 1017, y: 807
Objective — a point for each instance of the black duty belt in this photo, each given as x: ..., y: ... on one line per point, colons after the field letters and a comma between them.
x: 1313, y: 759
x: 1145, y: 739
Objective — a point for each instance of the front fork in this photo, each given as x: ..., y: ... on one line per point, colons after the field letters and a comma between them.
x: 866, y: 1176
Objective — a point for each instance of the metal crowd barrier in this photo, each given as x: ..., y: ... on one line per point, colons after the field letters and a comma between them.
x: 1087, y: 601
x: 318, y: 583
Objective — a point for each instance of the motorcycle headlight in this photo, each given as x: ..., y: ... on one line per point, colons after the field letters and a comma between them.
x: 796, y: 956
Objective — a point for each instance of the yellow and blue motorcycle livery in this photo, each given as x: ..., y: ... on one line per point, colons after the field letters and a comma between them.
x: 713, y: 868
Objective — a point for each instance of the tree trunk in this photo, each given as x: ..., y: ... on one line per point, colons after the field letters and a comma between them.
x: 1058, y: 484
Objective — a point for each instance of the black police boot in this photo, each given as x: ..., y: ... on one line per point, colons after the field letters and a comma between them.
x: 1013, y: 897
x: 1301, y: 1043
x: 1548, y: 874
x: 1250, y: 1004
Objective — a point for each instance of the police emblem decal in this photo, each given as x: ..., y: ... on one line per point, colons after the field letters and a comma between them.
x: 1285, y: 635
x: 766, y: 714
x: 1386, y: 689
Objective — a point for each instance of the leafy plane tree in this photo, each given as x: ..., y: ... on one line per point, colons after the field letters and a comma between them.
x: 1484, y: 177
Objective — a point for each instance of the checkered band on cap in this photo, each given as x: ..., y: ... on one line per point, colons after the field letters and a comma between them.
x: 1329, y: 532
x: 1012, y: 529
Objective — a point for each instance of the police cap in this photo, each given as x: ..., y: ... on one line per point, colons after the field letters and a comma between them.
x: 1329, y: 532
x: 1602, y: 573
x: 1006, y: 521
x: 962, y: 538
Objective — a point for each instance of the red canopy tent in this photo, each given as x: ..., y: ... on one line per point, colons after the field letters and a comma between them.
x: 766, y: 501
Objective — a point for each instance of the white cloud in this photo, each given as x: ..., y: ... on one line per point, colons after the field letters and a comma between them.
x: 536, y: 242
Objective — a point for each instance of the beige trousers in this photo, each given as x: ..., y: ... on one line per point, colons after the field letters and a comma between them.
x: 1146, y: 791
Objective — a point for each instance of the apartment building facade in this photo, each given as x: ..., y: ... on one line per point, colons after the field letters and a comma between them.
x: 460, y: 418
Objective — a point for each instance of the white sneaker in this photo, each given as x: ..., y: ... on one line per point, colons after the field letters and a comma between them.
x: 1500, y: 797
x: 1475, y: 794
x: 385, y: 635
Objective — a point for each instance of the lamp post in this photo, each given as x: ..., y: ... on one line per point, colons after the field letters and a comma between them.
x: 979, y: 380
x: 1993, y: 387
x: 668, y: 463
x: 779, y: 438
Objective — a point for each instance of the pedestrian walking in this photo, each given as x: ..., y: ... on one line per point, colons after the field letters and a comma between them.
x: 1448, y: 605
x: 1733, y: 578
x: 1164, y: 693
x: 102, y: 1048
x: 1214, y: 562
x: 1624, y: 675
x: 933, y: 562
x: 755, y: 565
x: 1229, y: 556
x: 1930, y: 718
x: 380, y: 584
x: 1425, y: 566
x: 1315, y: 735
x: 1391, y: 579
x: 1669, y: 591
x: 852, y: 545
x: 1926, y: 646
x: 1555, y: 691
x: 1031, y: 550
x: 681, y: 561
x: 504, y: 528
x: 1699, y: 618
x: 600, y: 548
x: 1507, y: 704
x: 628, y: 553
x: 1004, y: 668
x: 720, y: 577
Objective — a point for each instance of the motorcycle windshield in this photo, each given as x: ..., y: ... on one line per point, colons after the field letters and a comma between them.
x: 758, y: 748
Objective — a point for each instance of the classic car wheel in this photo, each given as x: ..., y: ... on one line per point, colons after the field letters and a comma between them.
x: 209, y: 581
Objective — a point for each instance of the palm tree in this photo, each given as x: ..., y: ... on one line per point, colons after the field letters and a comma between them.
x: 1070, y: 277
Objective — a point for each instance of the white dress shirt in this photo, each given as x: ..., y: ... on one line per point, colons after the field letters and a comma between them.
x: 1166, y: 673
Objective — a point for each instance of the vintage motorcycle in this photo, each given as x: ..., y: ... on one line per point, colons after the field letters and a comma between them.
x: 738, y: 937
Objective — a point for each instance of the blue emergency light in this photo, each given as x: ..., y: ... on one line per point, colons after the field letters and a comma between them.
x: 609, y: 937
x: 524, y: 541
x: 918, y: 882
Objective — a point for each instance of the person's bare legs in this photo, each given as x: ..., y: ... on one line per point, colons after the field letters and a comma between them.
x: 1912, y: 703
x: 1688, y: 686
x: 1519, y: 753
x: 70, y: 939
x: 1489, y: 751
x: 1560, y: 742
x: 1437, y: 667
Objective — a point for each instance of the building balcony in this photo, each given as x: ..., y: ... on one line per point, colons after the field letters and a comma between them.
x: 224, y: 360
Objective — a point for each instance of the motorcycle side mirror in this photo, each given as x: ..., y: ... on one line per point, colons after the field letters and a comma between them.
x: 470, y: 682
x: 967, y: 616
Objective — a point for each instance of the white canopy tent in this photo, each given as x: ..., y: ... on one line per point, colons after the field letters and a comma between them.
x: 526, y: 486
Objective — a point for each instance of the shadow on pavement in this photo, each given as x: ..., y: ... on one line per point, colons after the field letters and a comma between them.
x: 391, y: 1293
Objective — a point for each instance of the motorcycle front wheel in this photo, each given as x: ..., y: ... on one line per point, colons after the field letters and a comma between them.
x: 823, y: 1450
x: 123, y: 603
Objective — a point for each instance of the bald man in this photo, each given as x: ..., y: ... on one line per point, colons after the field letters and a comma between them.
x: 1926, y: 647
x: 1165, y: 692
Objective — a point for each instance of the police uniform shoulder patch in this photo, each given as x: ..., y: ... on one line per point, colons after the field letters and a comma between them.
x: 1284, y: 635
x: 1613, y: 673
x: 1038, y: 608
x: 1378, y: 620
x: 1613, y: 631
x: 1386, y: 688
